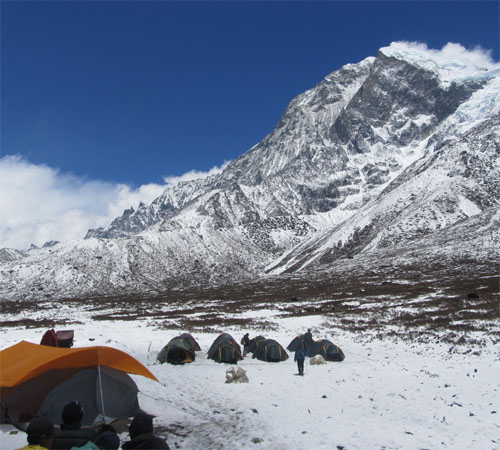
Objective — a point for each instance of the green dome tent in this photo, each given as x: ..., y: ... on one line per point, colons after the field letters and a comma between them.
x: 179, y: 350
x: 254, y: 342
x: 225, y: 350
x: 194, y: 344
x: 327, y: 349
x: 270, y: 351
x: 296, y: 343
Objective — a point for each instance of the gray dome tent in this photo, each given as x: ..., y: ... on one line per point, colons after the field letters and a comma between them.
x: 118, y: 390
x: 38, y: 380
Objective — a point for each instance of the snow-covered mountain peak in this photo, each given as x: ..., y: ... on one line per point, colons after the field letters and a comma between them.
x: 452, y: 63
x: 376, y: 157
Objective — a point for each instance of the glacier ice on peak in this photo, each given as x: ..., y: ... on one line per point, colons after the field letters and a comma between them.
x: 452, y: 63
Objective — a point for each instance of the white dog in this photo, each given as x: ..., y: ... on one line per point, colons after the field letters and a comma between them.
x: 237, y: 375
x: 318, y: 359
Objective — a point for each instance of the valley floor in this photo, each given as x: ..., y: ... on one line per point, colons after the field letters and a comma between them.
x: 387, y: 393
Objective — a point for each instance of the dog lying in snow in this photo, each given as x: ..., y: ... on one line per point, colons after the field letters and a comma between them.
x: 318, y: 359
x: 237, y: 375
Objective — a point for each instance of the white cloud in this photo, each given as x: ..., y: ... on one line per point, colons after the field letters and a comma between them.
x: 476, y: 56
x: 172, y: 180
x: 450, y: 52
x: 39, y: 203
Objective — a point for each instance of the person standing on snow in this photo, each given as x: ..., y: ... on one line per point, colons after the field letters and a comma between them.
x: 308, y: 340
x: 245, y: 341
x: 300, y: 356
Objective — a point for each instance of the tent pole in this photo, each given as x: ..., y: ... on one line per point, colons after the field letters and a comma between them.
x: 102, y: 397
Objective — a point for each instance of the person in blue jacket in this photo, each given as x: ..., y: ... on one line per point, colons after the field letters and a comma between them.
x: 300, y: 356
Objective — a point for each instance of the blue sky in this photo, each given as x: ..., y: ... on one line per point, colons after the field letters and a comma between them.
x: 121, y: 96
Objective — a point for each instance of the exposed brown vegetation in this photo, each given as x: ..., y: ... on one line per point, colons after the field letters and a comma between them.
x: 407, y: 304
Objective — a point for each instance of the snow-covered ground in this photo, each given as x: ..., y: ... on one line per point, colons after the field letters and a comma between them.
x: 384, y: 395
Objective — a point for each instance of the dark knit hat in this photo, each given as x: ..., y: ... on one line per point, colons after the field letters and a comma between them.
x: 39, y: 427
x: 108, y: 441
x: 72, y: 413
x: 142, y: 423
x: 106, y: 427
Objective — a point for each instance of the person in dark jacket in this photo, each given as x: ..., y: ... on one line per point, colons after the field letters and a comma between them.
x: 142, y: 436
x: 245, y: 341
x: 71, y: 433
x: 300, y: 356
x: 308, y: 340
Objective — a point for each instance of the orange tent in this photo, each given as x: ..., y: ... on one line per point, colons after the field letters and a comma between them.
x: 30, y: 372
